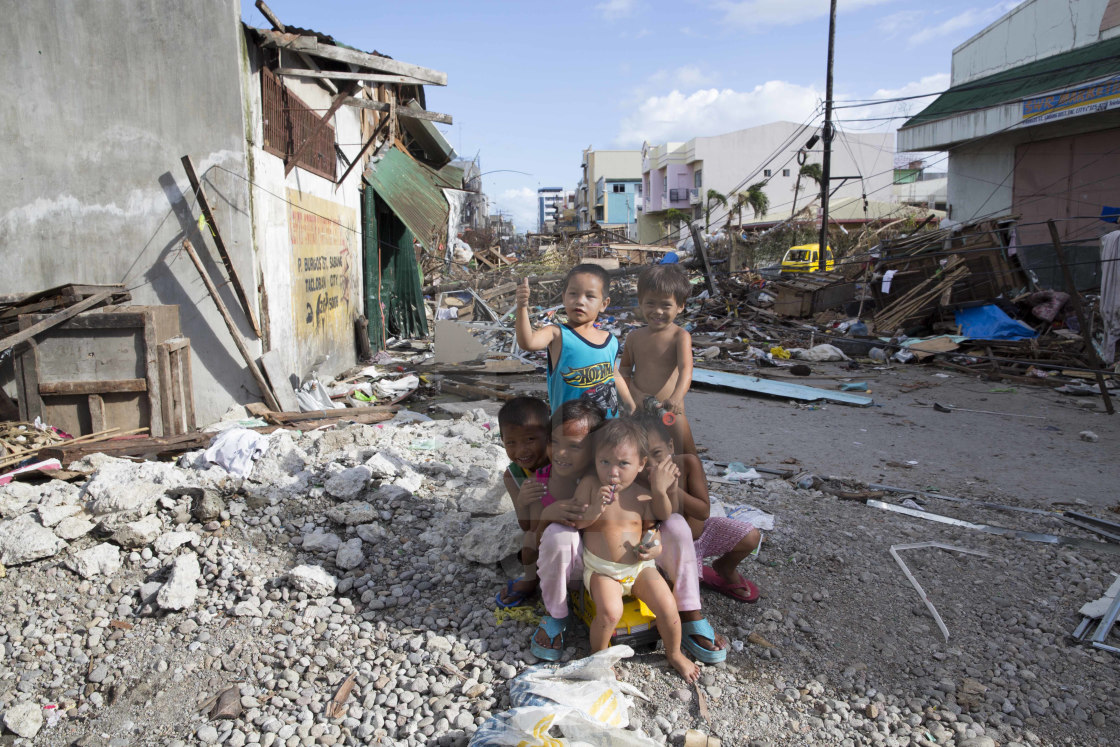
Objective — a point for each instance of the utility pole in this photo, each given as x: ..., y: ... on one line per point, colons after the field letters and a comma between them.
x: 826, y: 165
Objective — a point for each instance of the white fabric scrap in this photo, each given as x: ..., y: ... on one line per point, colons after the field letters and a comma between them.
x: 386, y: 389
x: 236, y: 449
x: 888, y: 276
x: 743, y: 512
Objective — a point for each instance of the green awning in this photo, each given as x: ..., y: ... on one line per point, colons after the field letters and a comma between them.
x: 412, y: 191
x: 1053, y: 73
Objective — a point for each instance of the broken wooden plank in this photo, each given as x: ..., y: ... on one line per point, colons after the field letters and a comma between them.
x: 295, y: 72
x: 280, y: 380
x: 69, y: 452
x: 342, y: 413
x: 93, y: 387
x: 402, y: 111
x: 54, y: 319
x: 312, y: 46
x: 755, y: 385
x: 266, y: 392
x: 208, y: 213
x: 466, y: 390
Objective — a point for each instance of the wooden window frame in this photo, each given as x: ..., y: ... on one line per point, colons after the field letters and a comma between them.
x: 287, y: 120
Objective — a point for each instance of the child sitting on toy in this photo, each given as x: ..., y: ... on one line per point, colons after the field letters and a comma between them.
x: 616, y: 561
x: 523, y: 423
x: 729, y: 541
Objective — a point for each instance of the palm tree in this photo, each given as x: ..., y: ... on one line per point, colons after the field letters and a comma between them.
x: 809, y: 171
x: 757, y: 199
x: 674, y: 216
x: 712, y: 197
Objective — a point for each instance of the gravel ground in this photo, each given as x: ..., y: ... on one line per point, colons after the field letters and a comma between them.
x: 372, y: 551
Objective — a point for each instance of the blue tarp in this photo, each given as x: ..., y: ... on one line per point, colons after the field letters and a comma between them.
x: 991, y: 323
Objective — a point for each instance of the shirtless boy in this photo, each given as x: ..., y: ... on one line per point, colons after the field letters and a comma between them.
x: 657, y: 359
x: 615, y: 562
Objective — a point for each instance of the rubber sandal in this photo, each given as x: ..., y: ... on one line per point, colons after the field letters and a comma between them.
x: 552, y: 628
x: 518, y: 597
x: 744, y: 591
x: 704, y: 629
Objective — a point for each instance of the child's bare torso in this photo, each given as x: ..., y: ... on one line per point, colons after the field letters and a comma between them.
x: 619, y: 528
x: 655, y: 360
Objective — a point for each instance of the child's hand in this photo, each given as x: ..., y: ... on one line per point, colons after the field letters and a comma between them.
x: 564, y: 512
x: 606, y: 494
x: 663, y: 477
x: 531, y: 492
x: 675, y: 406
x: 523, y: 294
x: 650, y: 551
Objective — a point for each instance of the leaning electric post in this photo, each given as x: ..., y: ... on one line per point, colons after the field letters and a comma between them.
x: 826, y: 133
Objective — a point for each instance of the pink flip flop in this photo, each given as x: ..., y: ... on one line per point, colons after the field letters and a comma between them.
x: 743, y: 591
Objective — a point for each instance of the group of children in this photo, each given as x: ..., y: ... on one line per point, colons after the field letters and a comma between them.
x: 607, y: 485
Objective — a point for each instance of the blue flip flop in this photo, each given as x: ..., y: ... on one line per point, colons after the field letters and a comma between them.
x: 704, y: 629
x: 552, y: 628
x: 518, y: 597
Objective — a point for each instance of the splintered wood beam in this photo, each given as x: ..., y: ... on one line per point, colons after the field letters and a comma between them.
x: 295, y: 72
x: 312, y: 46
x: 358, y: 158
x: 216, y: 234
x: 54, y: 319
x: 378, y: 106
x: 266, y: 11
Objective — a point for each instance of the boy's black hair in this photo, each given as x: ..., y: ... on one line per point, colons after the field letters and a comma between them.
x: 578, y: 409
x: 591, y: 269
x: 652, y: 424
x: 619, y: 431
x: 523, y: 411
x: 669, y: 280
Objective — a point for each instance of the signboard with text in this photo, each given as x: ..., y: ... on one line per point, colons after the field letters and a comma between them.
x: 1074, y: 102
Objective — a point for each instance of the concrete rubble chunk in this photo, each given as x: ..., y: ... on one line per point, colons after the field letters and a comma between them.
x: 181, y: 588
x: 409, y: 480
x: 23, y: 539
x: 73, y: 527
x: 347, y: 484
x: 206, y: 505
x: 168, y: 542
x: 352, y: 513
x: 99, y: 560
x: 320, y: 541
x: 492, y: 539
x: 24, y: 719
x: 121, y: 491
x: 371, y: 532
x: 139, y: 533
x: 312, y: 580
x: 16, y: 498
x: 52, y: 515
x: 349, y: 554
x: 381, y: 466
x: 386, y: 494
x: 487, y: 499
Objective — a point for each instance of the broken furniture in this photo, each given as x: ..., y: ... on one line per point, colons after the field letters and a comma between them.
x: 812, y: 292
x: 122, y: 367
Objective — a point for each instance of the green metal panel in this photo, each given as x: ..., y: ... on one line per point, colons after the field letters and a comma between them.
x: 1059, y: 71
x: 412, y: 191
x: 371, y: 265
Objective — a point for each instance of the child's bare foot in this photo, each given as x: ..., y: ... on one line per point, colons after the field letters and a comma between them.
x: 685, y: 667
x: 517, y: 591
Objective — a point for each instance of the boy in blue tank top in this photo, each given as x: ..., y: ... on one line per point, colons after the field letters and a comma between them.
x: 581, y: 357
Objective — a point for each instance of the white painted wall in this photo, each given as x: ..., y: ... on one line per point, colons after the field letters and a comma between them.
x: 1030, y: 31
x: 298, y: 350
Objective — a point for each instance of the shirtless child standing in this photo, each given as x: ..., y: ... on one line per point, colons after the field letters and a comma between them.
x: 657, y: 359
x: 615, y: 562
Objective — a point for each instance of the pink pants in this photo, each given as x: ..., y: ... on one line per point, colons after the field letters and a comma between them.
x: 560, y: 563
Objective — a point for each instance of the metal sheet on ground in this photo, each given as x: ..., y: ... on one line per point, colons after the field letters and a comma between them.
x: 773, y: 388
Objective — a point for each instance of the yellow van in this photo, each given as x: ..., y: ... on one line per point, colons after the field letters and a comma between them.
x: 805, y: 258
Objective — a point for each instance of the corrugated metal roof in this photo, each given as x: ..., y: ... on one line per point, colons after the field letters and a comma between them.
x: 1059, y: 71
x: 412, y: 191
x: 424, y: 132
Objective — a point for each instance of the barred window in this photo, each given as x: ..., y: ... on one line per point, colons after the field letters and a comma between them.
x: 287, y: 123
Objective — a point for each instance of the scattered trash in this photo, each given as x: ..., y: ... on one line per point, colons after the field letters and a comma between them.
x: 1089, y: 436
x: 336, y: 708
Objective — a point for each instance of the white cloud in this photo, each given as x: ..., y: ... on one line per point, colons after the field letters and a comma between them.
x: 679, y: 116
x: 612, y: 9
x: 891, y: 115
x: 688, y: 77
x: 973, y: 18
x: 903, y: 20
x: 757, y: 15
x: 521, y: 205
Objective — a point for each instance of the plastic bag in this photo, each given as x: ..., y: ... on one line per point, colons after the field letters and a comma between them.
x: 582, y: 700
x: 312, y: 396
x: 819, y: 353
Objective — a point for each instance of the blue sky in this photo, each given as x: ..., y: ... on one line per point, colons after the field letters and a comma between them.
x: 531, y: 84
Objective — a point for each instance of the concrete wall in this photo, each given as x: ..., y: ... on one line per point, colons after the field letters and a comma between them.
x: 101, y: 101
x: 313, y: 277
x: 1030, y: 31
x: 620, y: 206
